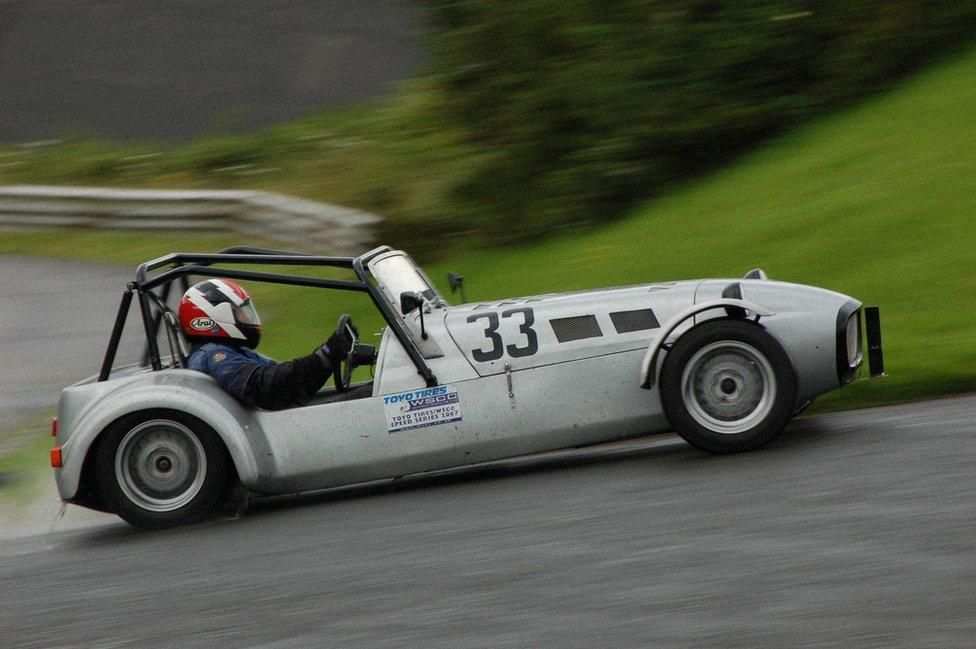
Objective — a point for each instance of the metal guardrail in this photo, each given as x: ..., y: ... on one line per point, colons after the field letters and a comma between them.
x: 316, y: 225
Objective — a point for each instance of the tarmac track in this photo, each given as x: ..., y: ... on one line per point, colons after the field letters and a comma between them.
x: 184, y: 68
x: 851, y: 530
x: 55, y: 320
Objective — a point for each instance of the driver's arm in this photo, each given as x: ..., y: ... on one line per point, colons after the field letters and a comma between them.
x: 284, y: 385
x: 256, y: 380
x: 274, y: 386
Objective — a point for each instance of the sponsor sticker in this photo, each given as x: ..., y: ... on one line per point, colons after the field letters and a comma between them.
x: 422, y: 408
x: 202, y: 324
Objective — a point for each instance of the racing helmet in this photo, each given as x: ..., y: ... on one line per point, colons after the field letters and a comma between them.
x: 219, y: 310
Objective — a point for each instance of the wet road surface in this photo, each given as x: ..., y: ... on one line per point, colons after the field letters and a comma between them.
x: 853, y: 529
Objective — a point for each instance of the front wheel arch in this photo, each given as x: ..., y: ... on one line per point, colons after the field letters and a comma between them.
x: 763, y: 361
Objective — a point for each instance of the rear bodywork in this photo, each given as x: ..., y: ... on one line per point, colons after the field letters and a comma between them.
x: 495, y: 379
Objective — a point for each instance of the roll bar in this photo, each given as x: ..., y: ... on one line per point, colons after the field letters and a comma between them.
x: 180, y: 266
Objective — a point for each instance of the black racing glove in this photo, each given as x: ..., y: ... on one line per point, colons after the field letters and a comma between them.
x: 339, y: 344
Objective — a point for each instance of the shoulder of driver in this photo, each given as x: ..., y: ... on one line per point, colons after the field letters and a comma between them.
x: 211, y: 357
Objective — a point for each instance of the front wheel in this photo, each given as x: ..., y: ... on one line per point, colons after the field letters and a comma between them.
x: 728, y: 386
x: 161, y: 468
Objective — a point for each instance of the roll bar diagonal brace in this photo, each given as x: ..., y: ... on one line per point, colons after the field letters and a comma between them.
x: 180, y: 266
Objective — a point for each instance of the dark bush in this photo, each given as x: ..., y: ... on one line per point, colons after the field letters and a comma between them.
x: 582, y: 107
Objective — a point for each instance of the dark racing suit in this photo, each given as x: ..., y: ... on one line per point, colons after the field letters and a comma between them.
x: 256, y: 380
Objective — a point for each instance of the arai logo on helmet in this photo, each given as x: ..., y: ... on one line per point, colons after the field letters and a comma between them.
x: 202, y: 324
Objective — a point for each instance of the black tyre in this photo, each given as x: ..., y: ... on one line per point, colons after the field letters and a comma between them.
x: 160, y: 468
x: 728, y: 386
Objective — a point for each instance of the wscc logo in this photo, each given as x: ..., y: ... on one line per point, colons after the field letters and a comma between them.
x: 429, y: 402
x: 202, y: 324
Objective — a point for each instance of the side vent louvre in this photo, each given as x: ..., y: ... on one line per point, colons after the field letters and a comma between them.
x: 626, y: 322
x: 577, y: 327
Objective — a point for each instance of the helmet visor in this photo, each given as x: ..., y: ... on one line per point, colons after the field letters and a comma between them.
x: 246, y: 314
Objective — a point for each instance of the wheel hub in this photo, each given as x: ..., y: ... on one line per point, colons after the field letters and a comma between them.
x: 728, y: 386
x: 160, y: 465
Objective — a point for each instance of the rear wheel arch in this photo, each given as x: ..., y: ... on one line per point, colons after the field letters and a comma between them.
x: 219, y: 414
x: 92, y: 494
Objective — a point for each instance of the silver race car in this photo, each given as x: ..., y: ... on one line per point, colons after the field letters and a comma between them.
x: 724, y: 362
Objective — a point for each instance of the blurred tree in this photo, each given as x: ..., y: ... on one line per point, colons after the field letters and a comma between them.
x: 581, y: 107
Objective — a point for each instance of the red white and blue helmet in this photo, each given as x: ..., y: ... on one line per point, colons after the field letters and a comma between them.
x: 219, y: 310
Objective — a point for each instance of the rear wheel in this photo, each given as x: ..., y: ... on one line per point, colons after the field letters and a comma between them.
x: 161, y: 468
x: 728, y: 386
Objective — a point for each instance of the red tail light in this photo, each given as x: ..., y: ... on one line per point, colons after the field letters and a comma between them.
x: 54, y: 426
x: 56, y: 457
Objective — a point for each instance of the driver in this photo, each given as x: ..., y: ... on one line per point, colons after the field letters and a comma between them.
x: 219, y: 320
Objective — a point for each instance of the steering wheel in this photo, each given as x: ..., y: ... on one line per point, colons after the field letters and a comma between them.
x: 342, y: 367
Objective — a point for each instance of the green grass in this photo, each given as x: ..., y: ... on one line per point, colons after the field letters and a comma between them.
x: 24, y: 459
x: 115, y: 247
x: 876, y: 202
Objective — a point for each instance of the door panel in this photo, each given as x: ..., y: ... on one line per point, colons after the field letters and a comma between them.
x: 570, y: 404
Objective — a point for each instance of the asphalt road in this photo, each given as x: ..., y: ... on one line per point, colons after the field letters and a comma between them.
x: 55, y: 320
x: 181, y: 68
x: 851, y: 530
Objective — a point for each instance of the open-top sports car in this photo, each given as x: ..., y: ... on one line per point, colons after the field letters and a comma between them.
x: 725, y: 363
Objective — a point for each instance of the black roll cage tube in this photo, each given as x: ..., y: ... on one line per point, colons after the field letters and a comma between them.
x: 187, y: 264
